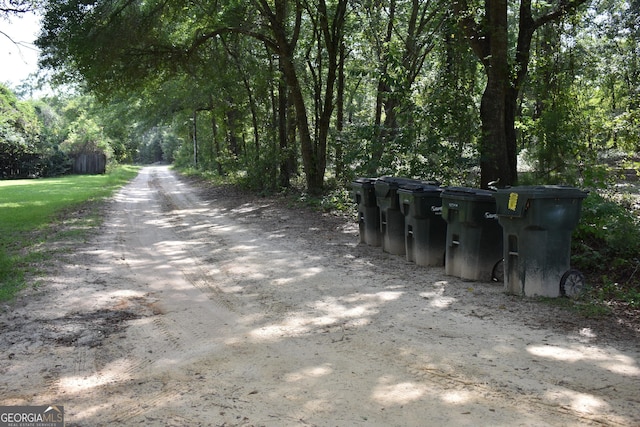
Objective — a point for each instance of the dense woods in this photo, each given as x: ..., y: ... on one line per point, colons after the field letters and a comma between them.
x: 315, y: 91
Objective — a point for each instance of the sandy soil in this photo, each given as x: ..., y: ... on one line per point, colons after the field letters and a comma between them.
x: 206, y: 307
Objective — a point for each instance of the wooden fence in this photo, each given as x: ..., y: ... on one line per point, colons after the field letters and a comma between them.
x: 89, y: 163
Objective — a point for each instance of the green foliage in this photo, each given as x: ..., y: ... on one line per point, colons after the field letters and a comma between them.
x: 261, y: 174
x: 606, y: 247
x: 158, y: 144
x: 18, y: 136
x: 586, y: 305
x: 28, y: 208
x: 337, y: 200
x: 11, y: 279
x: 39, y: 137
x: 17, y: 114
x: 446, y: 147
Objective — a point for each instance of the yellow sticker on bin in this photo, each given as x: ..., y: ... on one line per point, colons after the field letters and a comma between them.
x: 513, y: 201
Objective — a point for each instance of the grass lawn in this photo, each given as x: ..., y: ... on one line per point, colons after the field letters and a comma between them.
x: 30, y: 208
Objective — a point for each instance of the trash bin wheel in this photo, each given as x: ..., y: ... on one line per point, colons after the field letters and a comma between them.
x: 572, y: 283
x: 497, y: 274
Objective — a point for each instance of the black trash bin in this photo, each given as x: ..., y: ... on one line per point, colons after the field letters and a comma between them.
x: 391, y: 218
x: 425, y: 231
x: 364, y: 194
x: 537, y: 223
x: 474, y: 237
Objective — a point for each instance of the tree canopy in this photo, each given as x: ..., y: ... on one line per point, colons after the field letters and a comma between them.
x: 456, y: 91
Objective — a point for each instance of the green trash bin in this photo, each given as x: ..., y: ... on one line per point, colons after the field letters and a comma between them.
x: 425, y: 231
x: 391, y: 218
x: 474, y: 237
x: 537, y: 223
x: 364, y: 194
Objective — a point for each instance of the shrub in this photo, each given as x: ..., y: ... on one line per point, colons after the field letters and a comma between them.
x: 606, y: 247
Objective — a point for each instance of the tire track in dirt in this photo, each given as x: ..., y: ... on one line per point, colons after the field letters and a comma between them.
x: 151, y: 345
x: 159, y: 256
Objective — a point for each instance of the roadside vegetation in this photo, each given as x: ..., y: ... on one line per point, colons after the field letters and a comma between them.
x: 300, y: 97
x: 39, y: 211
x: 605, y: 245
x: 606, y: 248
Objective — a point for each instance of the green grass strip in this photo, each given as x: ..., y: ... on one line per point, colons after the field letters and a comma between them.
x: 29, y: 207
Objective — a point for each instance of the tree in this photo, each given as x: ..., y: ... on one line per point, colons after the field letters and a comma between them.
x: 402, y: 34
x: 164, y: 38
x: 263, y: 86
x: 488, y: 35
x: 327, y: 30
x: 615, y: 65
x: 19, y: 129
x: 448, y: 110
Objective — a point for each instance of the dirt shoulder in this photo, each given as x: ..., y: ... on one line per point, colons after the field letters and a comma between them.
x: 276, y: 213
x: 208, y: 306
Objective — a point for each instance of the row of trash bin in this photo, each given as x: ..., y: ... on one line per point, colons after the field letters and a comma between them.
x: 520, y: 236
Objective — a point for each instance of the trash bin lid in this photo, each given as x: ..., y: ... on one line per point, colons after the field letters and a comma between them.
x: 397, y: 181
x: 421, y: 189
x: 467, y: 193
x: 513, y: 201
x: 388, y: 185
x: 364, y: 181
x: 546, y: 191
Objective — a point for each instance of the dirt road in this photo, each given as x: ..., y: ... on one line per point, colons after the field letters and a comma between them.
x: 197, y: 308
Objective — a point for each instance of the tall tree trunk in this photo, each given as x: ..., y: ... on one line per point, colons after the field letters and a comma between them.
x: 498, y: 147
x: 332, y: 32
x: 497, y: 121
x: 285, y: 49
x: 416, y: 18
x: 216, y: 142
x: 283, y: 105
x: 339, y: 161
x: 284, y: 41
x: 252, y: 103
x: 292, y: 133
x: 382, y: 93
x: 497, y: 131
x: 309, y: 160
x: 498, y: 108
x: 232, y: 128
